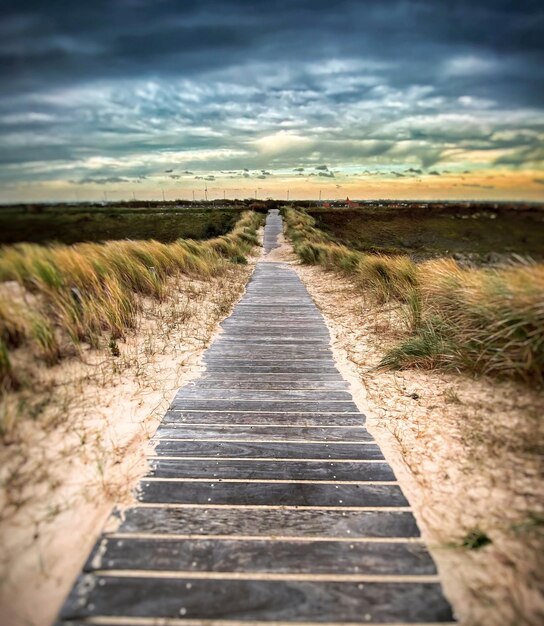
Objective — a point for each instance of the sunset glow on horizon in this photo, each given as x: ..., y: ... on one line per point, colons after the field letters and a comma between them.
x: 413, y: 100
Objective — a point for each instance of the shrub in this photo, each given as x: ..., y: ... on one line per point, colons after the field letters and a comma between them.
x: 486, y: 320
x: 88, y: 289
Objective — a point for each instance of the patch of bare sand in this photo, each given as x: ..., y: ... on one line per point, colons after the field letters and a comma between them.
x: 82, y: 446
x: 467, y: 452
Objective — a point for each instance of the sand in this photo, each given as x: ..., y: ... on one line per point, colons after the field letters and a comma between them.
x: 83, y: 447
x: 467, y: 452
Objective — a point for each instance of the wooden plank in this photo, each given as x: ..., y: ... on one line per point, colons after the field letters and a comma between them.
x: 269, y: 433
x: 263, y: 385
x: 263, y: 556
x: 278, y: 494
x: 260, y: 395
x: 299, y: 367
x: 263, y: 339
x: 225, y: 417
x: 319, y: 347
x: 268, y: 406
x: 263, y: 353
x: 250, y: 600
x: 263, y: 358
x: 265, y: 377
x: 248, y: 449
x: 279, y: 325
x: 301, y: 523
x: 271, y: 365
x: 300, y: 470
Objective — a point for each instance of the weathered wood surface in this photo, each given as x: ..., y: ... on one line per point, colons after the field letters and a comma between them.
x: 268, y: 449
x: 181, y: 418
x: 278, y: 522
x: 303, y: 470
x: 266, y: 500
x: 271, y: 493
x: 268, y: 433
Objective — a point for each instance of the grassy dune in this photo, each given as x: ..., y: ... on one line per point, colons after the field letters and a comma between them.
x: 57, y: 297
x: 486, y: 320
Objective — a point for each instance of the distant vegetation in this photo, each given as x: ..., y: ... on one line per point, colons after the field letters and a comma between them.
x: 486, y: 320
x: 66, y: 295
x: 62, y: 224
x: 478, y: 233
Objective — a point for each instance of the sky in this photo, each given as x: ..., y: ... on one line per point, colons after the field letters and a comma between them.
x: 422, y: 99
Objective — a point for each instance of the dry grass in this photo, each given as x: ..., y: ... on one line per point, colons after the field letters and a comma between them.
x: 467, y: 452
x: 74, y: 440
x: 487, y: 320
x: 117, y: 328
x: 88, y: 293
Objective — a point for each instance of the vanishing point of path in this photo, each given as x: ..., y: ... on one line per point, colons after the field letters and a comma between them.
x: 267, y: 500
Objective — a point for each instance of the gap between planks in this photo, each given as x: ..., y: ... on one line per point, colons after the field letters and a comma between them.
x: 175, y: 410
x: 355, y: 578
x: 114, y: 620
x: 258, y: 459
x: 269, y: 507
x: 208, y: 425
x: 229, y: 440
x: 287, y: 538
x: 267, y: 481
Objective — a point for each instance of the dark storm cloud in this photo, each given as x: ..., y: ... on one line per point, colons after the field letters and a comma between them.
x: 66, y: 41
x: 103, y: 181
x: 198, y: 84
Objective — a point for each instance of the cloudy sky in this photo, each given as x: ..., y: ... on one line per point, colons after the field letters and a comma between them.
x: 366, y: 98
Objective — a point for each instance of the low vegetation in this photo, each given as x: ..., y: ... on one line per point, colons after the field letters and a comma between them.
x: 485, y: 320
x: 473, y: 233
x: 69, y: 225
x: 56, y: 298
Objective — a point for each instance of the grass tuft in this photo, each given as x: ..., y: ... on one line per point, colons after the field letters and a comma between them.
x: 88, y: 291
x: 489, y: 321
x: 475, y: 539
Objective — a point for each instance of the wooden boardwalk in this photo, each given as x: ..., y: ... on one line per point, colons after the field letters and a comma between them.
x: 267, y: 500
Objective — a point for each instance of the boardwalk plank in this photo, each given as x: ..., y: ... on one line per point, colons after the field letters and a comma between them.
x: 227, y: 417
x: 278, y: 522
x: 264, y: 556
x: 250, y: 600
x: 269, y: 433
x: 297, y: 406
x: 278, y: 470
x: 270, y: 493
x: 261, y: 395
x: 268, y: 449
x: 267, y: 385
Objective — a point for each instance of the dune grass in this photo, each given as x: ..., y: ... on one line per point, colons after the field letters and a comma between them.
x: 88, y: 292
x: 488, y: 320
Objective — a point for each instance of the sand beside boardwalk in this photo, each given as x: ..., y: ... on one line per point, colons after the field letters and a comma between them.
x: 84, y: 446
x: 467, y: 452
